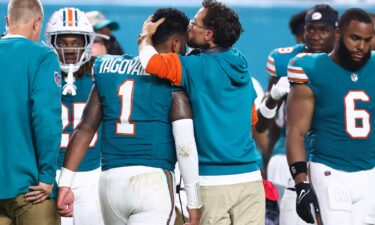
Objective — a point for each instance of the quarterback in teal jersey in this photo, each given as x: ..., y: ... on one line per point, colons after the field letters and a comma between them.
x: 71, y: 35
x: 30, y: 119
x: 331, y: 97
x: 139, y: 143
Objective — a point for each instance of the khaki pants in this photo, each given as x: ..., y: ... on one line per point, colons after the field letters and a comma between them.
x: 237, y: 204
x: 17, y: 211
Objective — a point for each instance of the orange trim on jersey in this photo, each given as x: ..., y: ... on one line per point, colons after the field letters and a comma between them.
x: 171, y: 192
x: 271, y: 71
x: 297, y: 80
x: 70, y: 17
x: 167, y: 66
x: 296, y: 71
x: 254, y: 116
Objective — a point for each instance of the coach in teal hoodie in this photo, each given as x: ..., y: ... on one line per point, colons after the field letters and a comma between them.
x: 221, y: 93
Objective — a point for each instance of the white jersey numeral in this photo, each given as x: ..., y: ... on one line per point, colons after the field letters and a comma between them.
x: 125, y: 92
x: 353, y: 115
x: 66, y: 120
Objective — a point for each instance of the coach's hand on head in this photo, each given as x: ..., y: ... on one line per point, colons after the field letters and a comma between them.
x: 148, y: 29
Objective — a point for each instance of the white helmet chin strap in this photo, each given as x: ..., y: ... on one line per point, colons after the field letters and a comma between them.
x: 69, y: 87
x: 70, y: 69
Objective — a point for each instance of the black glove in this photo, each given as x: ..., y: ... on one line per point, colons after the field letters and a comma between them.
x: 305, y: 199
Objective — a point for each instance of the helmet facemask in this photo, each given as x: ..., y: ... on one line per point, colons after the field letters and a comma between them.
x: 77, y: 55
x: 70, y: 21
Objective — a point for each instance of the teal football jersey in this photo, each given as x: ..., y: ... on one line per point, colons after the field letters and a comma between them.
x: 30, y: 115
x: 277, y: 66
x: 136, y: 128
x: 278, y: 60
x: 72, y: 109
x: 341, y: 134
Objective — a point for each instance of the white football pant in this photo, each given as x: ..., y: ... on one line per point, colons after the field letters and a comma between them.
x: 344, y: 198
x: 137, y: 195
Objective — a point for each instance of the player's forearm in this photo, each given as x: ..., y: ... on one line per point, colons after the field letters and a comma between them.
x: 296, y: 154
x: 78, y: 147
x: 187, y: 156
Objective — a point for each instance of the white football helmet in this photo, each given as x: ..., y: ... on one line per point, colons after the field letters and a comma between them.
x: 70, y: 21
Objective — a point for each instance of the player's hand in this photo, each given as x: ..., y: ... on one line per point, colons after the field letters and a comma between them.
x: 149, y: 28
x: 38, y: 193
x: 194, y: 216
x: 65, y: 199
x: 280, y: 89
x: 307, y: 203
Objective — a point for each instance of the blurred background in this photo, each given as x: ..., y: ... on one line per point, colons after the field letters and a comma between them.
x: 265, y: 21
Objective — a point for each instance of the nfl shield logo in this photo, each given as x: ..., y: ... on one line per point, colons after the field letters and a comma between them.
x: 354, y: 77
x: 57, y: 78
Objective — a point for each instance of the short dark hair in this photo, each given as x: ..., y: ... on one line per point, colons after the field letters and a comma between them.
x: 176, y: 22
x: 354, y: 14
x: 223, y: 21
x: 297, y: 23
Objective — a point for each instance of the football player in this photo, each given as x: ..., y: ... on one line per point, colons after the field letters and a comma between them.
x: 70, y: 33
x: 331, y: 97
x: 139, y: 153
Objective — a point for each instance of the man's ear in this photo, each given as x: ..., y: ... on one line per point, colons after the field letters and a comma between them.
x: 7, y: 22
x: 175, y: 45
x: 37, y: 23
x: 209, y: 35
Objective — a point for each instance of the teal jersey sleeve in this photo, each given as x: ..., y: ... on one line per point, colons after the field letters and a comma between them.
x: 46, y: 115
x: 298, y: 66
x: 278, y: 60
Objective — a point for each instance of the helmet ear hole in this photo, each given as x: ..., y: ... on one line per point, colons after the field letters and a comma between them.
x: 53, y: 41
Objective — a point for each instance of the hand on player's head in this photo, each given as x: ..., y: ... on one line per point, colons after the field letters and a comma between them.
x: 149, y: 28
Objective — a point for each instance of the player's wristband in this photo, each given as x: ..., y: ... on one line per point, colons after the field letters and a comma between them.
x: 193, y: 195
x: 297, y: 168
x: 66, y: 177
x: 266, y: 112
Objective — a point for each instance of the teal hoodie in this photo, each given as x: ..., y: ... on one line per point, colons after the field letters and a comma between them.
x: 222, y: 94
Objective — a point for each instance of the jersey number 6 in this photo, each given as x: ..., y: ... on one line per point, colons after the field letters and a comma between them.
x: 353, y: 115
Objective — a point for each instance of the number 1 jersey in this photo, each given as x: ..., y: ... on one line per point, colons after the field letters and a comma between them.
x: 136, y: 128
x: 342, y: 135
